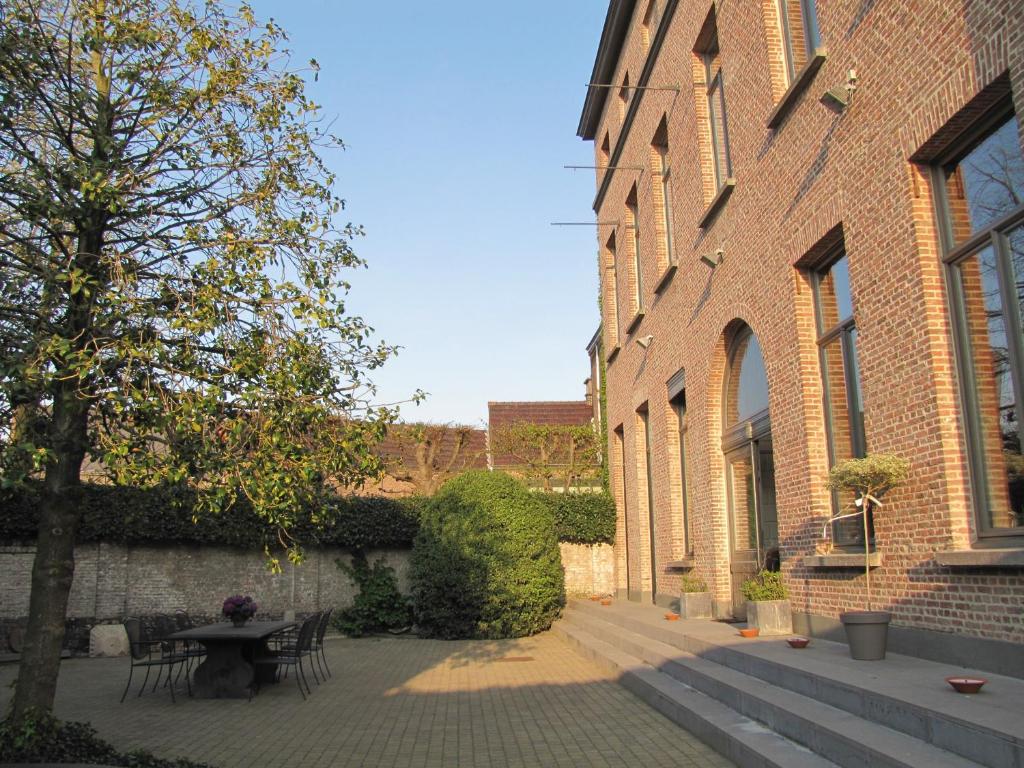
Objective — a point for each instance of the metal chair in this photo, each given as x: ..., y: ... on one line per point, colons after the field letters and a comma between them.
x: 318, y: 643
x: 148, y: 652
x: 290, y: 655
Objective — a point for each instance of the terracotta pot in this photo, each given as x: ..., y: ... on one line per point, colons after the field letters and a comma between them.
x: 798, y: 642
x: 750, y: 632
x: 966, y: 684
x: 671, y: 617
x: 606, y: 601
x: 595, y: 598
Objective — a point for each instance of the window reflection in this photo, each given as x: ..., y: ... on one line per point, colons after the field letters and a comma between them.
x: 748, y: 382
x: 987, y: 184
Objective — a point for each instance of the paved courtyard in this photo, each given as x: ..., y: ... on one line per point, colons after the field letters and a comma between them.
x: 397, y: 702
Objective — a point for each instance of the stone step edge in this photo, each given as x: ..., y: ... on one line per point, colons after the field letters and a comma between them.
x: 976, y: 728
x: 744, y: 741
x: 850, y: 734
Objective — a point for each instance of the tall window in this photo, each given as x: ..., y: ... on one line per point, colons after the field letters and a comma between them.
x: 799, y: 26
x: 650, y: 24
x: 844, y: 414
x: 679, y: 406
x: 610, y: 297
x: 644, y: 419
x: 605, y: 152
x: 633, y: 223
x: 717, y: 124
x: 663, y: 188
x: 980, y: 197
x: 624, y: 93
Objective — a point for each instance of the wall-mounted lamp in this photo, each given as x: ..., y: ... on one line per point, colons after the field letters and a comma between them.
x: 714, y: 259
x: 837, y: 99
x: 645, y: 341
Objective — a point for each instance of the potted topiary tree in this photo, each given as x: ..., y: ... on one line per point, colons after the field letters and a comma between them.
x: 868, y: 478
x: 694, y: 598
x: 768, y: 607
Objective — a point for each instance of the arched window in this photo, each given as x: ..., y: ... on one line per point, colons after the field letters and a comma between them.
x: 746, y: 383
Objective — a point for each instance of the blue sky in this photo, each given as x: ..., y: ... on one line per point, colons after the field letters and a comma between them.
x: 458, y: 118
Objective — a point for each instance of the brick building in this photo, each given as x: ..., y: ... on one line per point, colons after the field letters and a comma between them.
x: 811, y: 239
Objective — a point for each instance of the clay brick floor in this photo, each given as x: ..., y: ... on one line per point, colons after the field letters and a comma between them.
x: 396, y: 702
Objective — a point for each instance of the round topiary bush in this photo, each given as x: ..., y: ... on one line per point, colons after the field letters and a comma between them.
x: 485, y: 562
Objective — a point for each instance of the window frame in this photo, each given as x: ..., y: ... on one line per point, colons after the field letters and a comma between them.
x: 722, y: 169
x: 844, y: 331
x: 678, y: 404
x: 633, y: 207
x: 952, y: 255
x: 666, y: 201
x: 812, y: 36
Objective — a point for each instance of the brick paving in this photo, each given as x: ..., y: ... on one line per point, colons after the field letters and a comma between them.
x: 397, y: 702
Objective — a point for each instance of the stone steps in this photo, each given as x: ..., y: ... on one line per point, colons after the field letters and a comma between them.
x: 898, y: 713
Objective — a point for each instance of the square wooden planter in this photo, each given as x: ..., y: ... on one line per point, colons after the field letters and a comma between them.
x: 772, y: 617
x: 695, y: 605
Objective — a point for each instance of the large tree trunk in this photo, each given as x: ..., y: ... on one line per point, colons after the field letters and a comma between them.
x: 54, y: 565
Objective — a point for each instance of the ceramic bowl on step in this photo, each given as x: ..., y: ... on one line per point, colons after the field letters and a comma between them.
x: 671, y: 617
x: 798, y: 642
x: 966, y: 684
x: 750, y: 632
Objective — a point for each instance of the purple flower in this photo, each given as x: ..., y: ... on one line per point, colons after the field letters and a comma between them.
x: 237, y: 605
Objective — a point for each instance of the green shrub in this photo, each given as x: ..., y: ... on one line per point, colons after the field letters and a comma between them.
x: 582, y: 518
x: 44, y: 739
x: 126, y: 515
x: 485, y: 563
x: 691, y: 583
x: 379, y: 605
x: 765, y: 585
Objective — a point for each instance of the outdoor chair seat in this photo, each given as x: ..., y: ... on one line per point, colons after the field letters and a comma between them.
x: 149, y: 653
x: 286, y: 654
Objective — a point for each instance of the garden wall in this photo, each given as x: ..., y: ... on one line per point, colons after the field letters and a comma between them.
x: 113, y: 581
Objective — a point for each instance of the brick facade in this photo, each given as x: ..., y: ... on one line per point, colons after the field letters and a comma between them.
x: 859, y: 178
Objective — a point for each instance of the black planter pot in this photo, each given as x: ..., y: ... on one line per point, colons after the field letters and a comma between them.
x: 867, y: 633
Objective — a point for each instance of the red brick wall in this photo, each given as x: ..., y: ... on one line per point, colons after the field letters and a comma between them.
x: 919, y: 64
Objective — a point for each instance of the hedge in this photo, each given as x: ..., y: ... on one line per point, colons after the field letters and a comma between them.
x: 124, y: 515
x: 485, y: 562
x: 582, y: 518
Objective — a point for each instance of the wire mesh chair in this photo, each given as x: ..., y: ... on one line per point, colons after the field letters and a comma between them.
x: 150, y: 652
x: 290, y: 655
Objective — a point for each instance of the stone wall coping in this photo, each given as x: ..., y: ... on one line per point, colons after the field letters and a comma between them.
x: 842, y: 560
x: 1009, y: 557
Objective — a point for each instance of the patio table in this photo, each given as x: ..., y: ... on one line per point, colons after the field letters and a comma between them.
x: 226, y: 672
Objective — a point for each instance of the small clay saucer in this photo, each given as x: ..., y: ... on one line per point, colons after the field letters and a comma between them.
x: 966, y: 684
x: 750, y: 632
x: 798, y: 642
x: 606, y: 601
x: 671, y: 617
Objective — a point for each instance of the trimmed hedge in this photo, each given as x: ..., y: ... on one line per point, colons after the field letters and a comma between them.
x: 485, y: 563
x: 126, y: 515
x: 582, y: 518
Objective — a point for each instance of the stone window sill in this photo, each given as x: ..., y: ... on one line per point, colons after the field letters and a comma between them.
x: 666, y: 278
x: 799, y: 85
x: 981, y: 558
x: 683, y: 564
x: 842, y: 560
x: 635, y: 321
x: 719, y: 200
x: 612, y: 353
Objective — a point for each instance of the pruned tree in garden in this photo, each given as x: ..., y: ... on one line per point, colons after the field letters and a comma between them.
x: 171, y: 290
x: 428, y: 455
x: 549, y: 454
